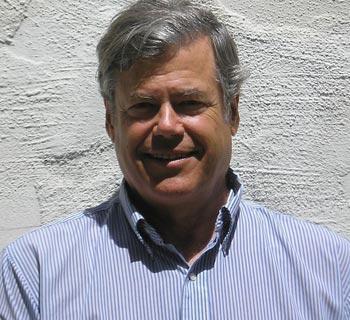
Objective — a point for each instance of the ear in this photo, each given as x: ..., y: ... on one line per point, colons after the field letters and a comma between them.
x: 234, y: 115
x: 109, y: 120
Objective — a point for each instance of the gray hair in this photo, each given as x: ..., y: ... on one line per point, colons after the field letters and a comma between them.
x: 148, y: 28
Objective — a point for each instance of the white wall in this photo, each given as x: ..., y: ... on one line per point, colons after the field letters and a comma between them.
x: 293, y: 148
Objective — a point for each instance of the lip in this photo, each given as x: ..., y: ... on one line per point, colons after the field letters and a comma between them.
x: 170, y: 159
x: 165, y: 156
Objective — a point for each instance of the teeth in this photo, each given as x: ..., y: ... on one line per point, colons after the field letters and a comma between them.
x: 168, y: 156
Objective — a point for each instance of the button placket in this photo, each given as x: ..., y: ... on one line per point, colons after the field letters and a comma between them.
x: 195, y: 299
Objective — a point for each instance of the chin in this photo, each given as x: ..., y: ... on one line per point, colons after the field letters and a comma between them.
x: 169, y: 189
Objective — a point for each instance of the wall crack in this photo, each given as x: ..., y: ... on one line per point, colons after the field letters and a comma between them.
x: 22, y: 17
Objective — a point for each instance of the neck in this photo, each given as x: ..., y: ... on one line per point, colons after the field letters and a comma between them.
x: 188, y: 226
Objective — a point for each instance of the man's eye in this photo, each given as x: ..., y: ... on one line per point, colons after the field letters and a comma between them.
x: 190, y: 107
x: 142, y: 110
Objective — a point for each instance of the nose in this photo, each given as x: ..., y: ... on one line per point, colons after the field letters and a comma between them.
x: 169, y: 123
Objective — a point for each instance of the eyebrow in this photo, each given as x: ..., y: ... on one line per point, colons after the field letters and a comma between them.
x: 189, y: 92
x: 136, y: 95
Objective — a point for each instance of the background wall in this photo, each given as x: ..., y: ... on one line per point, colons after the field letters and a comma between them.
x: 293, y: 147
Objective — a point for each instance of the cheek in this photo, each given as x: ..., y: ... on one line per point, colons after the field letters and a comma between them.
x: 133, y: 135
x: 211, y: 131
x: 220, y: 145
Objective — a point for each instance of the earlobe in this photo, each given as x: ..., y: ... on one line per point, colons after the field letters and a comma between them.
x: 234, y: 115
x: 108, y: 120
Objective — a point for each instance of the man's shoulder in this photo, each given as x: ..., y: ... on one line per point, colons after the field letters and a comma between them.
x: 294, y: 232
x: 61, y: 233
x: 63, y: 249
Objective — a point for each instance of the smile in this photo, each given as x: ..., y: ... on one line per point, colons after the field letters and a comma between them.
x: 170, y: 156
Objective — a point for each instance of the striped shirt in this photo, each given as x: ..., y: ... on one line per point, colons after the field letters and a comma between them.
x: 109, y: 263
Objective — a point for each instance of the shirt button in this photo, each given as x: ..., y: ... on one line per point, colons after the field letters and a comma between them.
x: 192, y: 276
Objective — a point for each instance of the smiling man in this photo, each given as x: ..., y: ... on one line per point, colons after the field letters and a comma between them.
x: 176, y: 241
x: 173, y: 142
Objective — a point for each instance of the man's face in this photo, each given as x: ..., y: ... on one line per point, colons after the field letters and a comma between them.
x: 171, y: 139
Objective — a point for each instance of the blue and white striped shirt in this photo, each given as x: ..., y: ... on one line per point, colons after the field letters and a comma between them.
x: 108, y: 263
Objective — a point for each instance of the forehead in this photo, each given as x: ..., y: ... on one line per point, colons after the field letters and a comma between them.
x: 189, y: 68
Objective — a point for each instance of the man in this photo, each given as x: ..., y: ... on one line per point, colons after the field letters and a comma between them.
x: 176, y: 241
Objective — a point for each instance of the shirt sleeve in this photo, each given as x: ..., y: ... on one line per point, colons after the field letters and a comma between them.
x: 16, y: 292
x: 344, y: 268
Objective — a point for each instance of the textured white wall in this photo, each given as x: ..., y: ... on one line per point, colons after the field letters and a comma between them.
x: 293, y: 147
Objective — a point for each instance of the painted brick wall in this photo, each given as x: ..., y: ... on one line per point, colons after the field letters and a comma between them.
x: 293, y: 148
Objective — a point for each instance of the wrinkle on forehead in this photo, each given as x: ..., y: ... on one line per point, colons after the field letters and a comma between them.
x: 189, y: 92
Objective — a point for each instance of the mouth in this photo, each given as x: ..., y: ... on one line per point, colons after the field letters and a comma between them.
x: 170, y: 156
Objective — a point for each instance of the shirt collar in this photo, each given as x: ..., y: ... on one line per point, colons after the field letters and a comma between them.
x: 225, y: 223
x: 134, y: 218
x: 229, y: 213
